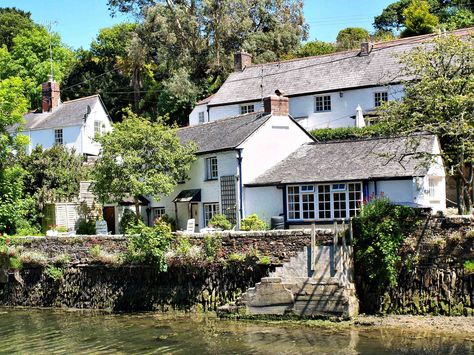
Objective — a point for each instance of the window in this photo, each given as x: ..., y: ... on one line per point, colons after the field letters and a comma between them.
x: 157, y: 212
x: 201, y: 117
x: 293, y: 202
x: 322, y: 103
x: 323, y: 202
x: 247, y: 109
x: 210, y: 209
x: 58, y: 136
x: 355, y: 198
x: 211, y: 169
x: 97, y: 128
x: 380, y: 98
x: 434, y: 182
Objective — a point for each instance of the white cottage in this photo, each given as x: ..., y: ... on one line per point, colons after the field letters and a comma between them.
x: 324, y: 91
x: 324, y: 182
x: 231, y: 153
x: 73, y: 123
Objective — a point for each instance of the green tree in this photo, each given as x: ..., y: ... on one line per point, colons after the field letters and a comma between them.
x: 312, y: 48
x: 351, y: 37
x: 12, y: 22
x: 441, y: 101
x: 52, y: 174
x: 418, y: 20
x: 140, y: 158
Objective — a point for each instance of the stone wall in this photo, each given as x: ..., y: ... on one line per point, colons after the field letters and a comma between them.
x: 132, y: 288
x: 431, y: 279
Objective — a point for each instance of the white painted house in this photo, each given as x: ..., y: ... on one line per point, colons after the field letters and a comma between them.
x: 73, y: 123
x: 324, y: 91
x: 323, y: 182
x: 231, y: 153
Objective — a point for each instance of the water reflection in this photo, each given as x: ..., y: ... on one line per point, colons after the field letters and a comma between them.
x: 59, y: 332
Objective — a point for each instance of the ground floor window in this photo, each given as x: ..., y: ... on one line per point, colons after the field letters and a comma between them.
x: 323, y: 201
x: 157, y: 212
x: 210, y: 209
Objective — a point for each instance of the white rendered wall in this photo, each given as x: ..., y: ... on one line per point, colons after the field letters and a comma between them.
x: 265, y: 201
x: 210, y: 190
x: 89, y: 145
x: 342, y: 108
x: 45, y: 138
x: 194, y: 115
x: 396, y: 190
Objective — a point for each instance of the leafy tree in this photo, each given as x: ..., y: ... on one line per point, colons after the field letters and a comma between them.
x: 312, y: 48
x: 418, y: 19
x: 52, y: 174
x: 12, y: 22
x: 441, y: 101
x: 140, y: 158
x: 351, y: 37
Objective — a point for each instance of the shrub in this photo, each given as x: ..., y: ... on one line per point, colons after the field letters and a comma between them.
x: 128, y: 221
x: 54, y: 272
x: 212, y: 245
x: 150, y: 245
x: 85, y: 227
x: 220, y: 221
x: 236, y: 257
x: 345, y: 133
x: 104, y: 257
x: 252, y: 223
x: 61, y: 259
x: 264, y: 260
x: 34, y: 258
x: 63, y: 229
x: 28, y: 230
x: 168, y: 220
x: 469, y: 266
x: 379, y: 231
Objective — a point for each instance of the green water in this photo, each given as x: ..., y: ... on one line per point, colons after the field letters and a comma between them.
x: 60, y: 332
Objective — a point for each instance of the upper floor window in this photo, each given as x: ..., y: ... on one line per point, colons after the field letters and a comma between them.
x: 201, y: 117
x: 247, y: 109
x: 322, y: 103
x: 380, y: 98
x: 211, y: 168
x: 58, y: 136
x: 97, y: 128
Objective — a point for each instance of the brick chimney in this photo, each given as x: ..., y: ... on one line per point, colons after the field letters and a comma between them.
x: 51, y: 95
x: 276, y: 104
x: 365, y: 48
x: 242, y: 60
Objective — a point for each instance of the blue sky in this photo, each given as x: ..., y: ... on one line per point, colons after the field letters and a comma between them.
x: 78, y: 21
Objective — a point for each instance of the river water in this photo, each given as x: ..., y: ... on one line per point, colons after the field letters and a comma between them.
x: 75, y: 332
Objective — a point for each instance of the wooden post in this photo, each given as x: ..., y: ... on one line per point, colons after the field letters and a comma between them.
x: 334, y: 247
x: 350, y: 232
x: 313, y: 247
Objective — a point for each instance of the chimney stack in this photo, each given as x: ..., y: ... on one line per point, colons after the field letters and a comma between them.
x: 242, y: 60
x: 365, y: 48
x: 50, y: 95
x: 276, y: 104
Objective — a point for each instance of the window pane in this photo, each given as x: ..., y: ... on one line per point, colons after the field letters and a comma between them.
x: 293, y: 203
x: 210, y: 209
x: 355, y: 198
x: 324, y: 205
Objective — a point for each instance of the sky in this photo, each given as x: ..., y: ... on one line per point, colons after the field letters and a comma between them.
x: 78, y: 21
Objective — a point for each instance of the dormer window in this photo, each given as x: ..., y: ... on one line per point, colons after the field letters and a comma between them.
x: 247, y: 109
x: 58, y: 136
x: 322, y: 103
x: 380, y: 98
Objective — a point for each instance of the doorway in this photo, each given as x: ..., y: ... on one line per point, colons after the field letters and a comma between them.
x: 194, y: 213
x: 109, y: 217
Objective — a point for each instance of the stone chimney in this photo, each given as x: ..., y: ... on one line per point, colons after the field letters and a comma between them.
x: 242, y: 60
x: 51, y: 95
x: 276, y: 104
x: 365, y: 48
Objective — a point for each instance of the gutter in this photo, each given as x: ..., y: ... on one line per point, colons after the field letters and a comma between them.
x: 241, y: 188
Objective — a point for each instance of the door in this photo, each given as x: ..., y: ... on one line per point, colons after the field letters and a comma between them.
x: 195, y: 214
x: 109, y: 217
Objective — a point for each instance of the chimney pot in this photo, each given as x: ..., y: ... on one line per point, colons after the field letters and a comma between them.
x: 276, y: 105
x: 242, y: 60
x: 50, y: 95
x: 366, y: 48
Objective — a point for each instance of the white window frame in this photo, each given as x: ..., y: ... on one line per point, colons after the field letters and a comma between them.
x: 296, y: 200
x: 157, y: 212
x: 59, y: 136
x: 210, y: 209
x: 212, y: 168
x: 244, y: 109
x: 201, y: 117
x: 97, y: 128
x: 433, y: 187
x: 380, y: 97
x: 325, y: 105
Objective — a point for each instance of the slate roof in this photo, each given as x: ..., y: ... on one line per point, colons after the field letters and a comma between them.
x: 323, y: 73
x: 69, y: 113
x: 351, y: 160
x: 223, y: 134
